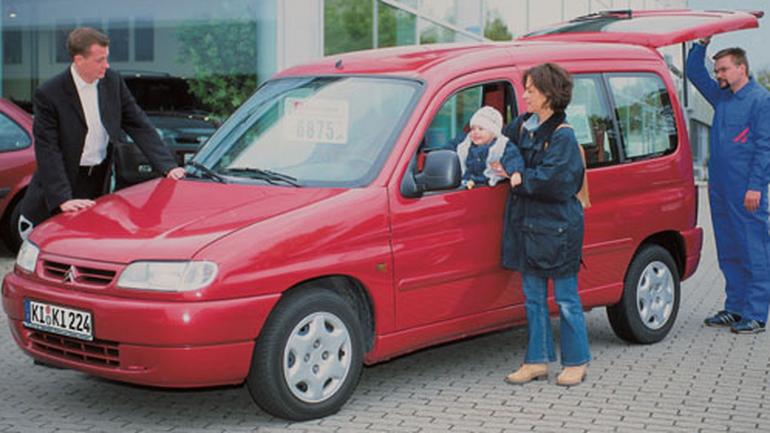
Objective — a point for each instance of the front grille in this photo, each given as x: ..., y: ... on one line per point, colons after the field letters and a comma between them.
x: 77, y: 274
x: 97, y: 352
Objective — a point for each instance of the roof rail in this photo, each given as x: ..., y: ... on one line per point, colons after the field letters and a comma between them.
x: 625, y: 14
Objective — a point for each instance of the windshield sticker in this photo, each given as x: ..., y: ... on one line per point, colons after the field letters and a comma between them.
x: 577, y: 117
x: 315, y: 119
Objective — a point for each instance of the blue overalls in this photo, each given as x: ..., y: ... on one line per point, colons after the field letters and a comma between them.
x: 739, y: 161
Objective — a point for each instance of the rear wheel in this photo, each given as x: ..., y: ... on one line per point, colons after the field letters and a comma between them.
x: 308, y: 358
x: 650, y: 302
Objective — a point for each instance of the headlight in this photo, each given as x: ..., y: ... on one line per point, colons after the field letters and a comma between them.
x: 27, y: 257
x: 168, y: 276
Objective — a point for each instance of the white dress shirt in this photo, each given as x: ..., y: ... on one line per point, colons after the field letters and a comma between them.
x: 95, y: 146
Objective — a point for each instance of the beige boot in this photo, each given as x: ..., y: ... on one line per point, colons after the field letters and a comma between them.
x: 571, y: 376
x: 528, y: 373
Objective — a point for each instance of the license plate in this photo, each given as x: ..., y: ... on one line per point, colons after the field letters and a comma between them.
x: 58, y: 320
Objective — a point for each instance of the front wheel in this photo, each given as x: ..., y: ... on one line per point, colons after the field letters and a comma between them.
x: 650, y: 302
x: 308, y: 358
x: 11, y: 235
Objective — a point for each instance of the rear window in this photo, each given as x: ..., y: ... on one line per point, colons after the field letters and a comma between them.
x: 645, y: 115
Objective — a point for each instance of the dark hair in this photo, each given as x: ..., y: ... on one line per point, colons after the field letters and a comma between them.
x: 738, y: 55
x: 82, y: 39
x: 554, y: 82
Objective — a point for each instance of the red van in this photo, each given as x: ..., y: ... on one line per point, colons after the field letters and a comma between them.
x: 322, y: 227
x: 17, y: 165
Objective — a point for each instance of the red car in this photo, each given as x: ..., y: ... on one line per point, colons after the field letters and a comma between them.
x: 322, y: 227
x: 17, y: 165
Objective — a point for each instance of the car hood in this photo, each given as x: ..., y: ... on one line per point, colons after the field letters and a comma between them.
x: 167, y: 220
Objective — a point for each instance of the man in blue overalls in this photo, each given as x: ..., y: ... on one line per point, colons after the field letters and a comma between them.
x: 739, y: 172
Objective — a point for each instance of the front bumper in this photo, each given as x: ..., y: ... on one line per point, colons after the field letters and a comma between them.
x: 168, y: 344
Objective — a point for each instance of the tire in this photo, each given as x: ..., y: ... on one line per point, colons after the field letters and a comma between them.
x: 651, y: 294
x: 308, y: 358
x: 10, y: 229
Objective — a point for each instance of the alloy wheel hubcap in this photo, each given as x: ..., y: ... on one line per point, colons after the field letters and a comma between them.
x: 316, y: 359
x: 655, y: 295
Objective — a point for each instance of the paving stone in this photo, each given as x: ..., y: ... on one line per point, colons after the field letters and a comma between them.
x: 698, y: 379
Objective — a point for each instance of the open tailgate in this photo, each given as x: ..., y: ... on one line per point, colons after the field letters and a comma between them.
x: 651, y: 28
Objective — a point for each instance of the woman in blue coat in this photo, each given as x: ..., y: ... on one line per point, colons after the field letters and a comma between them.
x: 543, y: 225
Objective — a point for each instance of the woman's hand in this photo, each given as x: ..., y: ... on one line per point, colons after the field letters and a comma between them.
x: 515, y: 179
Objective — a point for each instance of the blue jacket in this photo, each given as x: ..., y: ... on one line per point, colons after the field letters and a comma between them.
x: 543, y: 222
x: 476, y: 163
x: 739, y: 142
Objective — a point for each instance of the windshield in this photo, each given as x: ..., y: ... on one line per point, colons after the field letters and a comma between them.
x: 319, y: 131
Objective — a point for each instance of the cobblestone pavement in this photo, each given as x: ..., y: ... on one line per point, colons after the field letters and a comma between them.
x: 697, y: 379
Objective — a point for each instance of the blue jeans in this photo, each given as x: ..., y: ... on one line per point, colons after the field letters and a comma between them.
x: 572, y: 324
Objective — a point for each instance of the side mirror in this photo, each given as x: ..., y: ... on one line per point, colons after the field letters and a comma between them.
x: 441, y: 171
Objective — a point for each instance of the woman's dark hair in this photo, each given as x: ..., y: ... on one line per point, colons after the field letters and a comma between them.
x: 554, y: 82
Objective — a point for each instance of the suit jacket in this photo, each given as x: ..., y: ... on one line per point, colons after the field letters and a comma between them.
x: 60, y: 130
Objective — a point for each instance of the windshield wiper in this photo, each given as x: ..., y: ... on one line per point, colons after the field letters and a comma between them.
x: 207, y: 172
x: 264, y: 174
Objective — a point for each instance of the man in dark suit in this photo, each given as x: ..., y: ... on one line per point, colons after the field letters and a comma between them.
x: 77, y: 115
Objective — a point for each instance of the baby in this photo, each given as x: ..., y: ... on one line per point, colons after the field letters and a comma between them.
x: 482, y: 148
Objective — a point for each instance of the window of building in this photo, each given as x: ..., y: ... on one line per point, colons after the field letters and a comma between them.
x: 347, y: 25
x: 396, y: 27
x: 12, y: 136
x: 61, y: 32
x: 589, y: 116
x: 410, y: 3
x: 94, y: 23
x: 645, y: 115
x: 144, y: 40
x: 219, y: 49
x: 12, y: 47
x: 699, y: 142
x: 117, y: 30
x: 445, y: 10
x: 431, y: 33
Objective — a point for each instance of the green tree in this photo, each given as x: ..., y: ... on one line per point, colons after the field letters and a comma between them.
x: 395, y: 27
x: 347, y: 25
x: 496, y: 30
x: 223, y: 55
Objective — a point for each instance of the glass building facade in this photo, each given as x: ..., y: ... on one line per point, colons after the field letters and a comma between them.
x: 231, y: 46
x: 191, y: 39
x: 223, y: 50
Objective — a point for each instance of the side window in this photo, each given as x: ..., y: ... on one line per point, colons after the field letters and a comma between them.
x: 450, y: 125
x: 590, y: 118
x: 12, y: 136
x: 645, y: 115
